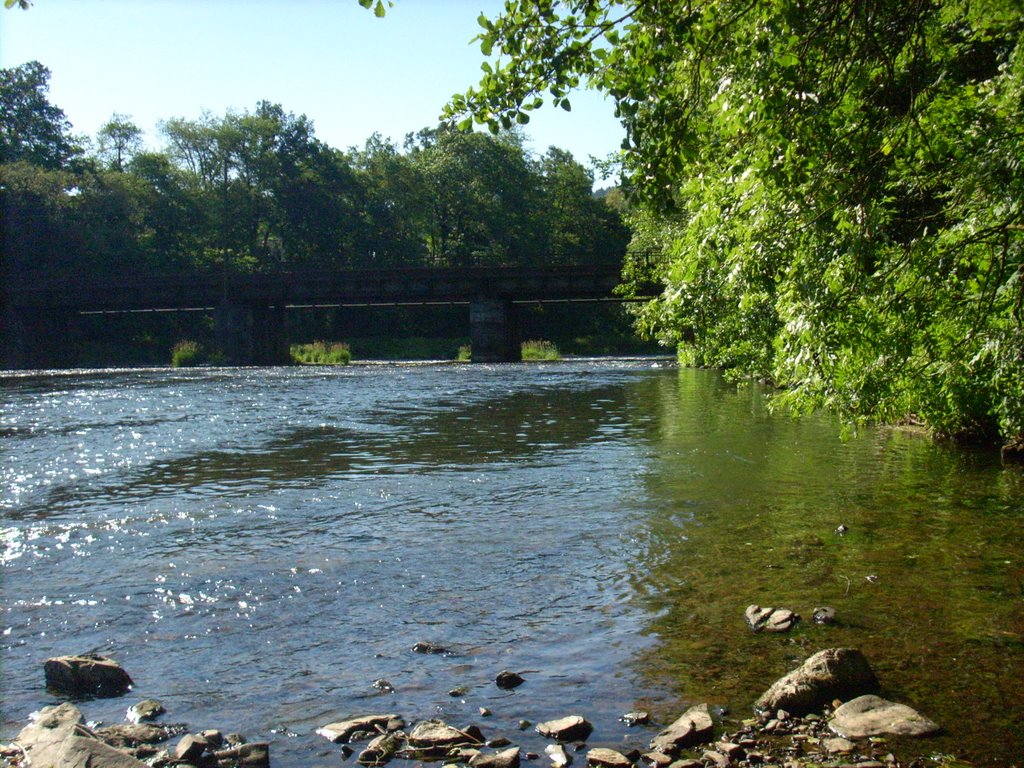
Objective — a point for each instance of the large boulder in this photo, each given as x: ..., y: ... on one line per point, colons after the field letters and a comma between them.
x: 868, y: 716
x: 694, y: 727
x: 86, y: 675
x: 835, y: 673
x: 58, y: 739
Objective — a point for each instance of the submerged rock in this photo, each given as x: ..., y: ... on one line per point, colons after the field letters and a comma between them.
x: 635, y: 718
x: 147, y: 709
x: 423, y: 647
x: 571, y: 728
x: 824, y: 615
x: 770, y: 619
x: 381, y: 749
x: 86, y: 675
x: 509, y: 680
x: 868, y: 716
x: 694, y: 727
x: 835, y: 673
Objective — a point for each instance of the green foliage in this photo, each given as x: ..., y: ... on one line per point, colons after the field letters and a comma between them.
x: 32, y: 129
x: 465, y: 353
x: 187, y: 354
x: 321, y: 353
x: 538, y: 349
x: 832, y: 190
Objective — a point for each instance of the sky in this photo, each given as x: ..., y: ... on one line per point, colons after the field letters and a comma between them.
x: 351, y: 73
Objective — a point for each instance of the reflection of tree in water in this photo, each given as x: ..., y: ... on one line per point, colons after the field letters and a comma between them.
x: 743, y: 508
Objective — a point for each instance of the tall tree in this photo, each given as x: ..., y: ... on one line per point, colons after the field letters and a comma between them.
x: 836, y: 186
x: 119, y: 140
x: 32, y: 129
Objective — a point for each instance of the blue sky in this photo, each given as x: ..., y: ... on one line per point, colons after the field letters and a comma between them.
x: 351, y: 73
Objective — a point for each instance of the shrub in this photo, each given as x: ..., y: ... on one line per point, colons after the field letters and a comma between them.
x: 465, y: 353
x: 187, y: 354
x: 538, y: 349
x: 321, y: 353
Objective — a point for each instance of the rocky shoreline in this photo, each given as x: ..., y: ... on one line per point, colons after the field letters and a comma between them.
x: 827, y: 712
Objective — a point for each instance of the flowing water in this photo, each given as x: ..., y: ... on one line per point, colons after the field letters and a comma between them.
x: 258, y: 546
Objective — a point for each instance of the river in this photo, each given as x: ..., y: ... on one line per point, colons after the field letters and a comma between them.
x: 258, y: 546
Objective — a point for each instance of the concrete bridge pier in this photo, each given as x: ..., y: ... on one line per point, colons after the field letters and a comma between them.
x: 493, y: 331
x: 251, y: 334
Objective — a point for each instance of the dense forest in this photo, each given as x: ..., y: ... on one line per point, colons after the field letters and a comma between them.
x: 834, y: 186
x: 257, y: 191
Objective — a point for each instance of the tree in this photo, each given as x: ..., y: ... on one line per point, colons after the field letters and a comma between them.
x: 835, y: 187
x: 119, y: 140
x: 32, y: 129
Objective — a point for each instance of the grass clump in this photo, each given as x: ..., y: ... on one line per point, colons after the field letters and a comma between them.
x: 539, y: 349
x: 321, y: 353
x: 465, y: 354
x: 187, y: 354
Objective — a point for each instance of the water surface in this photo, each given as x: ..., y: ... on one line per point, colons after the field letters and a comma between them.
x: 257, y: 546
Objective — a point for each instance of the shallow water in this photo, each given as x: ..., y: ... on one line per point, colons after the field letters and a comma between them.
x: 257, y: 546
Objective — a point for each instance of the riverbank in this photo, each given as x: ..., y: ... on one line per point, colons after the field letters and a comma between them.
x: 801, y: 721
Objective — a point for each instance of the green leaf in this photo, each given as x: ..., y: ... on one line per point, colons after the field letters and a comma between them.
x: 366, y: 3
x: 379, y: 11
x: 566, y: 105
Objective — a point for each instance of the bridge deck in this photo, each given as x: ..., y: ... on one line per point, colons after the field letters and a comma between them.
x: 383, y: 286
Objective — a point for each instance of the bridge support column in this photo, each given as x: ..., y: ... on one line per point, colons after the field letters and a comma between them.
x: 252, y: 334
x: 39, y: 338
x: 493, y: 332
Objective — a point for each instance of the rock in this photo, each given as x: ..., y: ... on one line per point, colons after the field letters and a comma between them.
x: 571, y: 728
x: 484, y: 712
x: 498, y: 743
x: 635, y: 718
x: 57, y: 739
x: 147, y: 709
x: 694, y: 727
x: 687, y: 764
x: 459, y: 690
x: 868, y: 716
x: 508, y: 680
x: 559, y: 757
x: 656, y: 759
x: 254, y: 755
x: 607, y: 758
x: 833, y: 673
x: 345, y: 729
x: 134, y: 734
x: 383, y: 686
x: 430, y: 734
x: 430, y: 648
x: 837, y: 746
x: 733, y: 751
x: 716, y: 759
x: 522, y: 725
x: 380, y: 749
x: 214, y: 738
x: 770, y: 619
x: 191, y: 748
x: 508, y: 758
x: 824, y: 615
x: 84, y: 752
x: 86, y: 675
